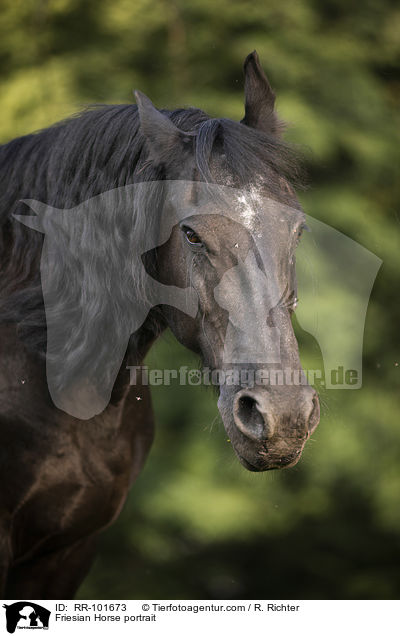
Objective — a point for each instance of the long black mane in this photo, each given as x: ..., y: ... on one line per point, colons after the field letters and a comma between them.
x: 98, y: 150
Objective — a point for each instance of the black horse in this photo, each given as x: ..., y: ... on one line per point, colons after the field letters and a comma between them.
x: 64, y: 478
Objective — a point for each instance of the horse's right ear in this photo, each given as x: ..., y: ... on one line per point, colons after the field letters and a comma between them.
x: 162, y: 136
x: 259, y: 98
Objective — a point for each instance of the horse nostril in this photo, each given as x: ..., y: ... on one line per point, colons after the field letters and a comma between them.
x: 248, y: 418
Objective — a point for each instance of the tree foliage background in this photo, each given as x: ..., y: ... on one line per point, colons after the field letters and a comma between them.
x: 196, y: 525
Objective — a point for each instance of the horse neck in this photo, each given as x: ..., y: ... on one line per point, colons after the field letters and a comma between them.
x: 139, y: 345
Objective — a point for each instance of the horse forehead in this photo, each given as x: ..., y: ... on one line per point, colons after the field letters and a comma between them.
x: 252, y: 207
x: 264, y: 219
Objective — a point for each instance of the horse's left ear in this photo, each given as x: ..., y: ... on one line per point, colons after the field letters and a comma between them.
x: 163, y: 138
x: 259, y: 98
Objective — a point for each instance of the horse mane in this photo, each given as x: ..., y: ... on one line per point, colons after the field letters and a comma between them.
x: 98, y: 150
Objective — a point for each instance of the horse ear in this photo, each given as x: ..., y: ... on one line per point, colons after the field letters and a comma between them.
x: 162, y: 136
x: 259, y: 97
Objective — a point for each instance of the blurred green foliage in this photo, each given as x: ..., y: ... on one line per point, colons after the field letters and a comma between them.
x: 196, y: 525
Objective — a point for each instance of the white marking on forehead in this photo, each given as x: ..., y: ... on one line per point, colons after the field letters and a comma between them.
x: 249, y: 203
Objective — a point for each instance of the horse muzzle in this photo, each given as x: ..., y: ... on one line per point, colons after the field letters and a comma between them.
x: 269, y: 428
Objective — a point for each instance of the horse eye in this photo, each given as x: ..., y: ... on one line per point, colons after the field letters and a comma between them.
x: 299, y: 232
x: 192, y: 237
x: 303, y: 228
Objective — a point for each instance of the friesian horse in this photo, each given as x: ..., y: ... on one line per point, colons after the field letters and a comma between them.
x: 64, y: 478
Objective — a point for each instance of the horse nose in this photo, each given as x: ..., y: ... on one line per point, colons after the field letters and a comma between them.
x: 257, y: 413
